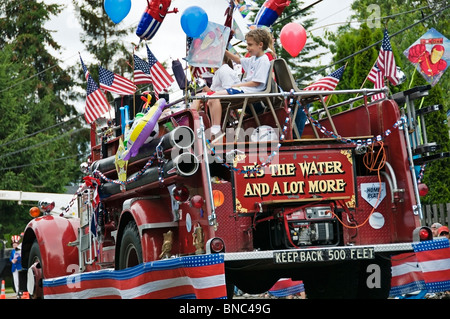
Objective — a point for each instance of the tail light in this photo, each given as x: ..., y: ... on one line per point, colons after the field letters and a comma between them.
x: 422, y: 234
x: 423, y: 189
x: 215, y: 245
x: 181, y: 193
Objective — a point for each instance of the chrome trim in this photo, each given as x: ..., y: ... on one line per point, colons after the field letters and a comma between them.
x: 142, y: 227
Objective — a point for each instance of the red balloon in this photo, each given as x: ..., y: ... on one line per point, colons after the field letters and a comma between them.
x: 293, y: 38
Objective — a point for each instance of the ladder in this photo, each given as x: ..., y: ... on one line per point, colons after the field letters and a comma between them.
x: 423, y: 151
x: 87, y: 243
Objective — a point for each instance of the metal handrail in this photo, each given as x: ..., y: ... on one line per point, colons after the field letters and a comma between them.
x: 302, y: 93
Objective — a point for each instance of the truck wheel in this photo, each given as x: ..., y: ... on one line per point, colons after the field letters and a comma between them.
x: 339, y: 281
x: 35, y: 273
x: 375, y: 278
x: 130, y: 247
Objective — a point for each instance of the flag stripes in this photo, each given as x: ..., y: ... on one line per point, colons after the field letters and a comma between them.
x: 96, y: 102
x: 406, y: 274
x: 376, y: 76
x: 386, y: 60
x: 434, y: 259
x: 201, y: 277
x: 151, y: 72
x: 327, y: 83
x: 161, y: 78
x: 286, y: 286
x: 141, y: 71
x: 427, y: 268
x: 115, y: 83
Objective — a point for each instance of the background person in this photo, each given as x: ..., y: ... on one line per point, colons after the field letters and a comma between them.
x: 443, y: 232
x: 224, y: 77
x: 434, y: 229
x: 16, y: 261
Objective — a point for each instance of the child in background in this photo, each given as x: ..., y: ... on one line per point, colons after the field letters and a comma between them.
x: 224, y: 77
x: 257, y: 68
x: 16, y: 261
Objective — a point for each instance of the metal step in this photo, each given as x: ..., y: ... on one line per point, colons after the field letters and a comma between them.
x: 426, y: 148
x: 429, y: 109
x: 426, y: 159
x: 413, y: 93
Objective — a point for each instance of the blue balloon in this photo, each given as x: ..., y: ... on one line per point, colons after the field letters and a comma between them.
x: 117, y: 10
x: 194, y: 21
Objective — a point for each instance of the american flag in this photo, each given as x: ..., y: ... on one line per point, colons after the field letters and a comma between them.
x: 188, y: 277
x: 161, y: 78
x: 406, y: 275
x: 428, y: 268
x: 376, y: 77
x: 96, y: 103
x: 141, y: 71
x: 386, y: 60
x: 115, y: 83
x: 197, y: 71
x: 327, y: 83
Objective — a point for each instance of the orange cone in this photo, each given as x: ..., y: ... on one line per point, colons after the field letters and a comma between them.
x: 25, y: 295
x: 3, y: 295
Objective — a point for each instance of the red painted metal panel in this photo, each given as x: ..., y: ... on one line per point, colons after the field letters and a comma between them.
x: 234, y: 228
x: 370, y: 231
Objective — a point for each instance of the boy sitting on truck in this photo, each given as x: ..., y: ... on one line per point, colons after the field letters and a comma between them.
x: 257, y: 68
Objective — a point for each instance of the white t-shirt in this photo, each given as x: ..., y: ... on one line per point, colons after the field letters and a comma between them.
x: 224, y: 78
x: 257, y: 69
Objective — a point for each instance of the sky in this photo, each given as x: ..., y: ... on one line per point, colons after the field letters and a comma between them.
x: 169, y: 42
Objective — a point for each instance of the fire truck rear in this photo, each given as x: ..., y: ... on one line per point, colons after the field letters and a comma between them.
x: 329, y: 208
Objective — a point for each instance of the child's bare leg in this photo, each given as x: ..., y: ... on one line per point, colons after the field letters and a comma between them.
x: 197, y: 103
x: 215, y: 109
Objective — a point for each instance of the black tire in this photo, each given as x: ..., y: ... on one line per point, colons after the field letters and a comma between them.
x: 130, y: 247
x: 373, y: 272
x: 339, y: 281
x: 255, y: 282
x: 35, y: 257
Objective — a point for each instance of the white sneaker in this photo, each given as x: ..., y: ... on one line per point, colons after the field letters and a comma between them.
x: 215, y: 129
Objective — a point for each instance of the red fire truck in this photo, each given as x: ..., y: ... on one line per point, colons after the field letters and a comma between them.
x: 327, y: 204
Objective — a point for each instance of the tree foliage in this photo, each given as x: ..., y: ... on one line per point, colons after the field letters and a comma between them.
x: 39, y: 150
x: 399, y: 16
x: 103, y: 40
x: 297, y: 12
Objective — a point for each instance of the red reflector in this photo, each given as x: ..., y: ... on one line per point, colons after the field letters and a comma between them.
x: 197, y: 201
x: 181, y: 193
x: 423, y: 189
x: 216, y: 245
x: 424, y: 234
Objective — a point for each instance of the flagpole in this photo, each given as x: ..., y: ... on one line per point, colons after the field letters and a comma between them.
x: 329, y: 97
x: 134, y: 95
x: 367, y: 76
x: 187, y: 68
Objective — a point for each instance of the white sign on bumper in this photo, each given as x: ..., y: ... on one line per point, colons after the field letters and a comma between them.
x: 319, y: 255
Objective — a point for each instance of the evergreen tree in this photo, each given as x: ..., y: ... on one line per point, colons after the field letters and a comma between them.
x: 39, y: 149
x: 395, y: 16
x: 102, y: 38
x: 296, y: 12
